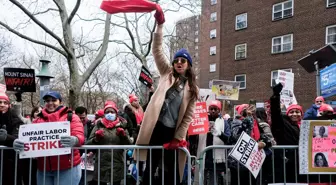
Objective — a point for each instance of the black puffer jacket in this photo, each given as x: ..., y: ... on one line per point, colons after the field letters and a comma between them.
x: 11, y: 122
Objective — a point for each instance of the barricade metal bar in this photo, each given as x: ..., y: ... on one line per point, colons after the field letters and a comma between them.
x: 125, y: 169
x: 72, y: 162
x: 284, y: 163
x: 1, y: 170
x: 138, y: 167
x: 58, y: 170
x: 44, y: 171
x: 112, y: 165
x: 273, y: 165
x: 162, y: 159
x: 150, y: 166
x: 30, y: 170
x: 214, y: 169
x: 85, y: 161
x: 226, y: 167
x: 295, y: 161
x: 175, y: 167
x: 15, y: 168
x: 98, y: 166
x: 261, y: 176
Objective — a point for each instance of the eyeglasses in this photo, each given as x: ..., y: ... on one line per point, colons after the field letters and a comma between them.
x: 182, y: 60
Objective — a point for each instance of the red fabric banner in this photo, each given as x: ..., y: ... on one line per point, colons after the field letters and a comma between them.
x: 126, y: 6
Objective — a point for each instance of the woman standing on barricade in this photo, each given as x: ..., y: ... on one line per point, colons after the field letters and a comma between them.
x: 66, y: 167
x: 169, y: 112
x: 286, y: 131
x: 109, y: 131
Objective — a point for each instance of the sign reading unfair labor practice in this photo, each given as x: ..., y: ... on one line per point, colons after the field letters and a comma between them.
x: 43, y: 139
x: 246, y: 152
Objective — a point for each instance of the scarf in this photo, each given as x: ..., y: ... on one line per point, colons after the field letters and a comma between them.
x: 110, y: 124
x: 255, y: 134
x: 219, y: 153
x: 138, y: 113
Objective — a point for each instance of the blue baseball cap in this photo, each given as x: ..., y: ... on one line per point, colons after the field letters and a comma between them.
x: 53, y: 94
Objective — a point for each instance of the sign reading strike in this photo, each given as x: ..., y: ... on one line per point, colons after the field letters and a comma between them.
x: 43, y: 139
x: 246, y: 152
x: 200, y: 122
x: 18, y: 79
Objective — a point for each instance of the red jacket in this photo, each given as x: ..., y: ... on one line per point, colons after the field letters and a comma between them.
x: 76, y: 129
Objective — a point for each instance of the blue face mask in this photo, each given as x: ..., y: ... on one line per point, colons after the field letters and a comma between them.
x: 110, y: 116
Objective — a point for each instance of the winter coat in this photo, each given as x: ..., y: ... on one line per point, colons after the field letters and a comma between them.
x: 76, y: 129
x: 110, y: 138
x: 311, y: 113
x: 154, y: 107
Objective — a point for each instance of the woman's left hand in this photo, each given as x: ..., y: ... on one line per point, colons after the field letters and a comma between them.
x: 261, y: 145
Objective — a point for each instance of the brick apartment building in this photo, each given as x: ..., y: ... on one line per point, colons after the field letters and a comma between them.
x: 187, y: 36
x: 248, y: 40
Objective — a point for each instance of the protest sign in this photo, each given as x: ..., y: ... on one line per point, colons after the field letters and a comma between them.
x: 43, y: 139
x: 226, y: 90
x: 287, y: 94
x: 317, y: 147
x: 206, y: 95
x: 328, y: 81
x: 2, y: 88
x: 89, y: 164
x: 145, y: 77
x: 18, y: 79
x: 246, y: 152
x: 200, y: 122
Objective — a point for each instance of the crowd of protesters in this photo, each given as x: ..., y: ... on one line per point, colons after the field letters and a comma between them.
x: 162, y: 121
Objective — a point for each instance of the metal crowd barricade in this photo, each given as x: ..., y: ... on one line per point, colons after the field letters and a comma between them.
x: 99, y: 148
x: 276, y: 167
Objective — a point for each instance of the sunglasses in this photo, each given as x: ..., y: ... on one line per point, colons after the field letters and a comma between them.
x: 182, y: 60
x: 318, y: 101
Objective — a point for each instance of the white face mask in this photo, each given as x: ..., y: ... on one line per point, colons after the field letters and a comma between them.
x: 110, y: 116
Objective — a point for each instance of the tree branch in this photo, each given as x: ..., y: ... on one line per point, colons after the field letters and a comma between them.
x: 150, y: 40
x: 33, y: 40
x: 30, y: 15
x: 74, y: 11
x: 101, y: 53
x: 45, y: 11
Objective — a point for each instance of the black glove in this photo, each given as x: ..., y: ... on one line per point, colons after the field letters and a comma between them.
x: 18, y: 96
x: 277, y: 89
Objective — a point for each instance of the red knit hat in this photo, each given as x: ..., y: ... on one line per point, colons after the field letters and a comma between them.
x: 132, y: 98
x: 240, y: 108
x: 294, y: 106
x: 216, y: 103
x: 326, y: 108
x: 110, y: 104
x: 319, y: 98
x: 3, y: 96
x: 100, y: 113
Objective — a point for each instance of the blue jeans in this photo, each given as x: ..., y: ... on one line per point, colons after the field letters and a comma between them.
x: 70, y: 176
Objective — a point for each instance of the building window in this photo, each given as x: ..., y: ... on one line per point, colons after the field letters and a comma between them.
x: 331, y: 34
x: 213, y: 17
x: 213, y: 50
x: 196, y: 47
x: 242, y: 79
x: 196, y: 32
x: 196, y: 40
x: 282, y: 43
x: 213, y: 2
x: 241, y: 21
x: 196, y: 25
x: 274, y: 75
x: 212, y: 68
x: 240, y: 51
x: 213, y: 34
x: 331, y: 3
x: 283, y: 10
x: 196, y: 54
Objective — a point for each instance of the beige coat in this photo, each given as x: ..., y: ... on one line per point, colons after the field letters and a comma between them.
x: 154, y: 107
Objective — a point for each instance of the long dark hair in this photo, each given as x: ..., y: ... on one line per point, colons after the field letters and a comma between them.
x: 325, y: 162
x: 261, y: 114
x: 191, y: 77
x: 33, y: 112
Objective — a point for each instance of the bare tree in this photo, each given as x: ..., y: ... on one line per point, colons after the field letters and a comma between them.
x: 65, y: 45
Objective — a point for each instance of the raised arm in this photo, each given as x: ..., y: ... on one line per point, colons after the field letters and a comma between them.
x: 276, y: 115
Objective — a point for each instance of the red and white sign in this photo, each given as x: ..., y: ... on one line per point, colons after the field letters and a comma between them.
x: 287, y: 94
x: 43, y: 139
x: 200, y: 122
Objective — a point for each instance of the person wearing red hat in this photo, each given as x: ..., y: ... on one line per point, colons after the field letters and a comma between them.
x: 170, y: 111
x: 326, y: 112
x: 9, y: 126
x: 135, y: 113
x: 110, y: 130
x: 286, y: 131
x: 313, y: 112
x: 218, y: 134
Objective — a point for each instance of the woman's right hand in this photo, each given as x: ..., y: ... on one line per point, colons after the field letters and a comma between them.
x: 159, y: 15
x: 18, y: 145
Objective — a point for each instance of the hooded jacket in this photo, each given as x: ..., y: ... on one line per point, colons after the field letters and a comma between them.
x: 311, y: 113
x: 76, y: 129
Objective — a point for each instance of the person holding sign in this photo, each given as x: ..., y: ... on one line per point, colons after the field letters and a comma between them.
x: 286, y: 131
x: 9, y: 126
x: 109, y: 131
x: 67, y: 167
x: 170, y: 111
